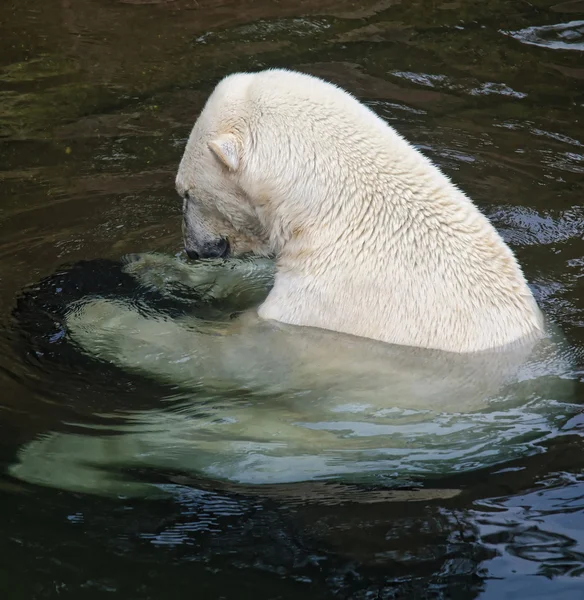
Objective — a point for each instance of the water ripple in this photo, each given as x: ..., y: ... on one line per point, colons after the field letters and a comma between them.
x: 561, y: 36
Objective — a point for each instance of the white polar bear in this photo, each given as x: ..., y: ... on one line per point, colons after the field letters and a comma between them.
x: 371, y: 239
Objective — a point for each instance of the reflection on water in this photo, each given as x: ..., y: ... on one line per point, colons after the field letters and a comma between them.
x: 92, y: 125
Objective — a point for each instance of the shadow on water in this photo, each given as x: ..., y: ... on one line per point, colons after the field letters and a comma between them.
x: 96, y: 101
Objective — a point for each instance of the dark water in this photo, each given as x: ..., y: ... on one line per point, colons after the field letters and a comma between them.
x: 96, y: 100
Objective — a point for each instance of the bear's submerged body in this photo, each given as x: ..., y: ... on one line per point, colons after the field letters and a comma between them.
x: 260, y: 402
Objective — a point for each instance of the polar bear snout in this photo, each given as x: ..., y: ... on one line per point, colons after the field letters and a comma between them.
x: 218, y: 248
x: 204, y: 235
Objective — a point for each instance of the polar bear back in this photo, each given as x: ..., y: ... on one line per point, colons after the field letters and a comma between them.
x: 372, y: 239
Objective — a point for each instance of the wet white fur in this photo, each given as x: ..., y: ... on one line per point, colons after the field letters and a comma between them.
x: 371, y: 238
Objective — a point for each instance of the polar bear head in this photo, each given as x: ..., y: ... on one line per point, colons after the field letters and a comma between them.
x: 264, y: 163
x: 219, y: 217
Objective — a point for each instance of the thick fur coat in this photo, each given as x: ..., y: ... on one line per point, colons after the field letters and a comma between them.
x: 370, y: 237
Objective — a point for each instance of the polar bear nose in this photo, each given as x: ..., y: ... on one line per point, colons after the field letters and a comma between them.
x: 214, y: 249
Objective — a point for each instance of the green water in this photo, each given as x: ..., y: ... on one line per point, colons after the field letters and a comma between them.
x: 96, y: 101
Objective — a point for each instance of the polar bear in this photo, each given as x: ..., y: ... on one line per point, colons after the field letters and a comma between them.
x: 371, y: 238
x: 393, y: 317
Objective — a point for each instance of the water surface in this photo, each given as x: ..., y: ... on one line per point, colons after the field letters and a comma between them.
x: 97, y: 99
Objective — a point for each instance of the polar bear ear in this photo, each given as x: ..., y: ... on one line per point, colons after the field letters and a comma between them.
x: 226, y: 149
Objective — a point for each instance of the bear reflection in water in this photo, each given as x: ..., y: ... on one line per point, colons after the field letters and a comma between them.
x: 261, y: 402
